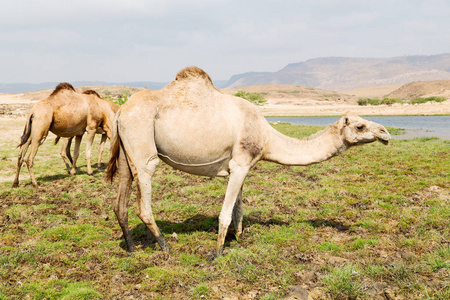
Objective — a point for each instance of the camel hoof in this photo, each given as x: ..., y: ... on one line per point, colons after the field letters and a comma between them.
x: 162, y: 243
x: 15, y: 184
x: 212, y: 255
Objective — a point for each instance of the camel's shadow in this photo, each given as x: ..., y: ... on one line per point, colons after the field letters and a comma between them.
x: 142, y: 237
x: 81, y: 170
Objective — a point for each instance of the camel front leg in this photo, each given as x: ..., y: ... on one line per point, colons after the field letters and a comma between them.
x: 76, y: 154
x: 100, y: 151
x: 144, y: 199
x: 90, y: 139
x: 237, y: 177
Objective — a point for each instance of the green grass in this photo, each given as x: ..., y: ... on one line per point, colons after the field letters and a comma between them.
x: 344, y: 283
x: 390, y: 101
x: 374, y: 214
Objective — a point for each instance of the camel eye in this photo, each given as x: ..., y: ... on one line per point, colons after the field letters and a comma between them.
x: 360, y: 127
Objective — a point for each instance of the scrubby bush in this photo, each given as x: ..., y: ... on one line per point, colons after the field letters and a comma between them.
x: 436, y: 99
x: 373, y: 101
x: 390, y: 101
x: 255, y: 98
x: 362, y: 101
x: 419, y: 100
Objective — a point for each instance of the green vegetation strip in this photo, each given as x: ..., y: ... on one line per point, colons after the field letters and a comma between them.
x: 390, y: 101
x: 373, y: 220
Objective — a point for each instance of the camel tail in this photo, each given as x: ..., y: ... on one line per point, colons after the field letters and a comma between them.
x: 111, y: 170
x: 26, y: 131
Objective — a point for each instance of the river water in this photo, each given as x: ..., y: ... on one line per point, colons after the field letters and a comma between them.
x: 415, y: 126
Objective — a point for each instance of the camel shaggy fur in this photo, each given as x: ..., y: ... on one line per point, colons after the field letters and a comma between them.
x: 195, y: 128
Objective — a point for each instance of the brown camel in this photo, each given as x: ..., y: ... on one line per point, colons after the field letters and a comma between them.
x: 67, y: 142
x: 66, y: 113
x: 195, y: 128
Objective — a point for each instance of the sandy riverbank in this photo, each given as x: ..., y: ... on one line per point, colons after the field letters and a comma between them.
x: 426, y: 109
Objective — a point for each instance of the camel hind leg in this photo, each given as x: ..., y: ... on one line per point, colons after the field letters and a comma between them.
x: 122, y: 199
x: 143, y: 159
x: 39, y: 132
x: 29, y: 160
x: 90, y: 134
x: 76, y: 154
x: 20, y: 161
x: 100, y: 151
x: 144, y: 209
x: 238, y: 214
x: 65, y: 152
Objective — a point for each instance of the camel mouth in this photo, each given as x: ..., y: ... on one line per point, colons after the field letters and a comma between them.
x: 383, y: 141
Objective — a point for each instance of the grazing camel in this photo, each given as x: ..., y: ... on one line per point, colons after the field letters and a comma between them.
x: 67, y: 142
x: 66, y: 113
x: 195, y: 128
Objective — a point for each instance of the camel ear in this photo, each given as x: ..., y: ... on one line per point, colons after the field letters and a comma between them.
x: 344, y: 121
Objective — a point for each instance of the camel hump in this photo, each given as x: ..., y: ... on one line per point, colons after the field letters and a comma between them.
x: 192, y: 72
x: 91, y: 92
x: 62, y: 86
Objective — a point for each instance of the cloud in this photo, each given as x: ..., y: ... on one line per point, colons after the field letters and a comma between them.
x: 128, y: 40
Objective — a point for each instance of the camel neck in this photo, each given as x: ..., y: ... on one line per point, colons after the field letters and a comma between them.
x: 301, y: 152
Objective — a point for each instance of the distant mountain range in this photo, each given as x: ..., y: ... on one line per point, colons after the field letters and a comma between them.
x: 342, y: 73
x: 328, y: 73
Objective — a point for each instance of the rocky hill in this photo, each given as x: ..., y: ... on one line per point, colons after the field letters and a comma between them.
x: 339, y: 73
x: 295, y: 94
x: 439, y: 88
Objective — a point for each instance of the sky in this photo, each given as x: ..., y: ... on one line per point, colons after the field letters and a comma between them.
x: 146, y: 40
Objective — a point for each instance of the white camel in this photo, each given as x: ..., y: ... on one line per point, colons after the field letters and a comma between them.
x: 195, y: 128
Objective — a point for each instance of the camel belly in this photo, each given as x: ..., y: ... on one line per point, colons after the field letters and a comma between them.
x: 196, y: 147
x: 67, y: 124
x: 63, y: 130
x: 211, y: 169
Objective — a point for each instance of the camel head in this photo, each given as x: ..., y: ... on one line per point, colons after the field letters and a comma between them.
x: 357, y: 131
